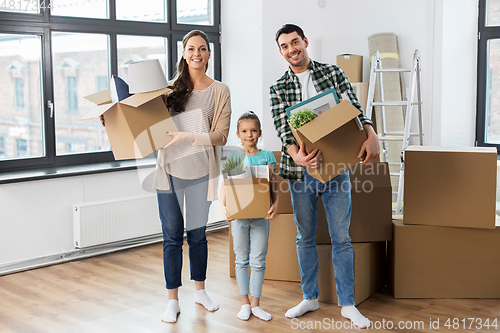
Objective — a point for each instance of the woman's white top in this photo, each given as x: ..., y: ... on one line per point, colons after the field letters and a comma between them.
x: 185, y: 160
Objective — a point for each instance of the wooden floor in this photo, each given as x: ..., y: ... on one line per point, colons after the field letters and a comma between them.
x: 124, y: 292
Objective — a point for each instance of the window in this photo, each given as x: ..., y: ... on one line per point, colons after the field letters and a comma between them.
x: 2, y: 147
x: 72, y: 95
x: 21, y: 148
x: 88, y: 41
x: 101, y: 83
x: 19, y: 99
x: 488, y: 85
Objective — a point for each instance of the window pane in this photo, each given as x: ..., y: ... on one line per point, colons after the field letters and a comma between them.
x: 79, y: 8
x: 137, y: 48
x: 79, y: 61
x: 21, y: 96
x: 492, y: 121
x: 210, y: 70
x: 17, y: 6
x: 144, y: 10
x: 199, y: 12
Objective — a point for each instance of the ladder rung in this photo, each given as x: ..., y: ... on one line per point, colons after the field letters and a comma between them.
x: 394, y: 192
x: 390, y: 138
x: 392, y: 70
x: 399, y: 133
x: 394, y: 163
x: 390, y: 103
x: 394, y: 173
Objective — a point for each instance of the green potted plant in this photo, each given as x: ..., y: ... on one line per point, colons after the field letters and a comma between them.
x: 301, y: 117
x: 233, y: 167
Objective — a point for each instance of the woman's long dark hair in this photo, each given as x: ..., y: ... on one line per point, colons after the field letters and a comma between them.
x: 182, y: 86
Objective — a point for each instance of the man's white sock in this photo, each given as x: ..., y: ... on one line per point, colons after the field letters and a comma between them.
x: 244, y: 313
x: 259, y: 313
x: 350, y: 312
x: 201, y: 297
x: 170, y: 314
x: 303, y: 307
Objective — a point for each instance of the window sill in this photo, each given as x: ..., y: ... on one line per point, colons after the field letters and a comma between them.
x: 75, y: 170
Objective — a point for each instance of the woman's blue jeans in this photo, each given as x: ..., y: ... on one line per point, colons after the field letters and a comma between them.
x: 336, y: 197
x: 171, y: 206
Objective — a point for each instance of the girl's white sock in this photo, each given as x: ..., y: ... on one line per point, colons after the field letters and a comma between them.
x: 201, y: 297
x: 305, y: 306
x: 259, y: 313
x: 173, y: 308
x: 350, y: 312
x: 244, y: 313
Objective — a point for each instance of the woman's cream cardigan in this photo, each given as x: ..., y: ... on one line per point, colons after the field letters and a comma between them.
x: 217, y: 137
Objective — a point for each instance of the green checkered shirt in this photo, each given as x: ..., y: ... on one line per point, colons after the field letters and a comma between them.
x: 287, y: 92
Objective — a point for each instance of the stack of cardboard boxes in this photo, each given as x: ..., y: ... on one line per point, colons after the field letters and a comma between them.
x: 448, y: 243
x: 352, y: 65
x: 370, y: 229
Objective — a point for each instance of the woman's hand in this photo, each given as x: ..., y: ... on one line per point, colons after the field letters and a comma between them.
x: 225, y: 213
x: 178, y: 137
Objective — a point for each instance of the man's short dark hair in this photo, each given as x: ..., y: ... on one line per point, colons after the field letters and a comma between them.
x: 288, y: 29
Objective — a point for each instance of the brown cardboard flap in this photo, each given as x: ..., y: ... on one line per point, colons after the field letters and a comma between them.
x: 100, y: 98
x: 329, y: 121
x: 142, y: 98
x: 97, y: 111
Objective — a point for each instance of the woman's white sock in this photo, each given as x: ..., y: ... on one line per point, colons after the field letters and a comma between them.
x: 305, y: 306
x: 350, y: 312
x: 244, y: 313
x: 173, y: 308
x: 259, y: 313
x: 201, y: 297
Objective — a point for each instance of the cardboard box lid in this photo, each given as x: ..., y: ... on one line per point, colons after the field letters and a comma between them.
x: 100, y: 98
x: 97, y: 111
x: 349, y: 55
x: 142, y: 98
x: 453, y: 149
x: 103, y: 101
x: 329, y: 121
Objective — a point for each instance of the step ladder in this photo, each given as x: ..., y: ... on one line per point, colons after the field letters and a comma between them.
x: 376, y: 78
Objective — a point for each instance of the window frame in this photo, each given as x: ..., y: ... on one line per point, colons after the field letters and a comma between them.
x: 42, y: 24
x: 485, y: 34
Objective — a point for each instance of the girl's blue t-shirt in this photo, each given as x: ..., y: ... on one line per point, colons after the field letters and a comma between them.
x: 264, y: 157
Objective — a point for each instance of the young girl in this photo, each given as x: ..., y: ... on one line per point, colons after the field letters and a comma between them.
x: 250, y: 235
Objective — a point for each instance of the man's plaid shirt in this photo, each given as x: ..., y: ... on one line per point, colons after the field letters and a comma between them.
x: 287, y: 92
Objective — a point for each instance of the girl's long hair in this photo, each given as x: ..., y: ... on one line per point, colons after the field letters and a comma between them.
x: 182, y: 86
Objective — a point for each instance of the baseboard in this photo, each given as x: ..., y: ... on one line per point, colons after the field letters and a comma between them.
x: 77, y: 254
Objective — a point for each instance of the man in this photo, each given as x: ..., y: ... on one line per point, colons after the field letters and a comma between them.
x: 304, y: 79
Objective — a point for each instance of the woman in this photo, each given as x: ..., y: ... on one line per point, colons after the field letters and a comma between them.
x: 187, y: 168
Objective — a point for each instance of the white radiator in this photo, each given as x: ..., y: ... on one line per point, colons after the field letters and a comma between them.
x: 96, y: 223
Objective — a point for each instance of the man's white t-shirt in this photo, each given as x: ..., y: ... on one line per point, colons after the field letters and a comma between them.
x: 308, y: 89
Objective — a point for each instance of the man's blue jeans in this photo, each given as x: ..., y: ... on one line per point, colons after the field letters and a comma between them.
x: 336, y: 197
x: 171, y: 204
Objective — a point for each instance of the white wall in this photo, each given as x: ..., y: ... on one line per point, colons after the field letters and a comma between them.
x: 36, y: 217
